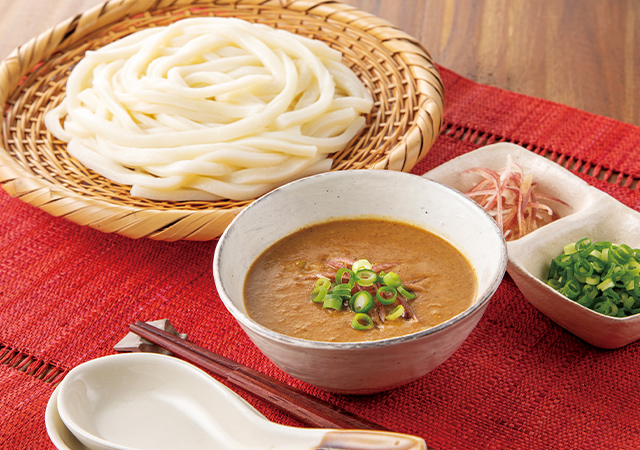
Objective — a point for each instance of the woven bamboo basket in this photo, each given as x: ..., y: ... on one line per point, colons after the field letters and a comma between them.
x: 36, y: 168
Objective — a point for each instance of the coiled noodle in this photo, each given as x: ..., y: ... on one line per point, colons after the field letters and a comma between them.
x: 209, y: 108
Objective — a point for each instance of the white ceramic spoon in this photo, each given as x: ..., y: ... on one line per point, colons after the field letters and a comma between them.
x: 153, y: 401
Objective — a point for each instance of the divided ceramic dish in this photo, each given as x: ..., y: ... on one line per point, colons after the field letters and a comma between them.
x: 590, y: 213
x: 151, y: 401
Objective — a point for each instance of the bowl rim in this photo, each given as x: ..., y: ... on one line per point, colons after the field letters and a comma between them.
x: 246, y: 322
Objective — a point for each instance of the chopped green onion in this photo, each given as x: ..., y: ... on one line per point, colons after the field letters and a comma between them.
x: 632, y: 267
x: 612, y: 295
x: 621, y: 253
x: 362, y: 321
x: 590, y: 291
x: 636, y: 286
x: 571, y: 289
x: 606, y: 284
x: 554, y: 283
x: 318, y: 295
x: 585, y: 301
x: 322, y: 282
x: 340, y: 276
x: 389, y: 285
x: 395, y: 312
x: 332, y: 301
x: 606, y: 307
x: 386, y: 295
x: 628, y: 302
x: 597, y: 263
x: 553, y: 269
x: 361, y: 302
x: 361, y: 264
x: 564, y: 260
x: 342, y: 290
x: 600, y: 275
x: 366, y: 277
x: 406, y: 293
x: 584, y: 246
x: 583, y: 268
x: 391, y: 279
x: 381, y: 276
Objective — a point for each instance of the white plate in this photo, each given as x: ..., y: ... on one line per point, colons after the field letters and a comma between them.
x: 591, y: 213
x: 59, y: 434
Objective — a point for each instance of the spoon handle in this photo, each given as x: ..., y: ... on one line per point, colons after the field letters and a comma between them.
x: 301, y: 405
x: 370, y: 440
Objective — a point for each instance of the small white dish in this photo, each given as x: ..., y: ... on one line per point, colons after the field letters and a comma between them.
x: 590, y: 213
x: 152, y: 401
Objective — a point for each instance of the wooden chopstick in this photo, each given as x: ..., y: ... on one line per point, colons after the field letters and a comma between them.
x: 301, y: 405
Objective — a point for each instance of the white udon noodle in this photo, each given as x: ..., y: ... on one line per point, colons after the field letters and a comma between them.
x: 208, y: 109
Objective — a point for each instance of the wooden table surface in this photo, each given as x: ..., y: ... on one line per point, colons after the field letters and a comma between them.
x: 582, y: 53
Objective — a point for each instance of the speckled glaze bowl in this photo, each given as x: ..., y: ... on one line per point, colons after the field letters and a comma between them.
x: 589, y: 213
x: 362, y: 367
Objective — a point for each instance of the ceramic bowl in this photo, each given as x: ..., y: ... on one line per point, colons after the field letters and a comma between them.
x: 591, y: 213
x: 361, y: 367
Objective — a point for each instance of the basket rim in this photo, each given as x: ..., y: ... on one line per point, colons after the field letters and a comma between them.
x: 19, y: 182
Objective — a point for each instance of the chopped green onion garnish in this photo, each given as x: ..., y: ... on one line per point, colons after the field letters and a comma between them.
x: 318, y: 295
x: 340, y: 276
x: 584, y: 246
x: 342, y: 290
x: 555, y: 284
x: 361, y: 302
x: 389, y: 285
x: 583, y: 268
x: 386, y: 295
x: 332, y: 301
x: 406, y: 293
x: 391, y: 279
x: 362, y: 321
x: 361, y: 264
x: 600, y: 275
x: 571, y: 289
x: 597, y: 264
x: 564, y: 260
x: 366, y: 277
x: 606, y: 284
x: 628, y: 302
x: 322, y: 282
x: 395, y: 312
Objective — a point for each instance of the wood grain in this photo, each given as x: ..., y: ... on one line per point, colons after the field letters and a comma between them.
x: 582, y: 53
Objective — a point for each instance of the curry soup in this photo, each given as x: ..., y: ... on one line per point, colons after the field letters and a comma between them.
x: 279, y: 284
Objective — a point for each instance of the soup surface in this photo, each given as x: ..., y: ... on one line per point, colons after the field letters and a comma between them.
x: 278, y: 286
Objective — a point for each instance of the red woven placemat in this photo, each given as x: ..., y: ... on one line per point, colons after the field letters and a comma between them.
x: 68, y: 293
